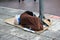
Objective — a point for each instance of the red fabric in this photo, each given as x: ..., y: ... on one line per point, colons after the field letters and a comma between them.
x: 31, y: 21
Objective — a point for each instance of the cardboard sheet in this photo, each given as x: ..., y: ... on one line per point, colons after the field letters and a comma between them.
x: 11, y: 22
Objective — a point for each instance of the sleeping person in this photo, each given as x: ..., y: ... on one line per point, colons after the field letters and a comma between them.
x: 28, y: 20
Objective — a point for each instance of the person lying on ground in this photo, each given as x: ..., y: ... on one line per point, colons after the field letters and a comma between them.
x: 29, y: 20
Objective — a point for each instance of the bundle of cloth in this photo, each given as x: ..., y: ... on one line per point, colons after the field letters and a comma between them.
x: 29, y: 20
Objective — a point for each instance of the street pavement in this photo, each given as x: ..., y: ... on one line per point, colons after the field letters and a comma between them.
x: 9, y: 32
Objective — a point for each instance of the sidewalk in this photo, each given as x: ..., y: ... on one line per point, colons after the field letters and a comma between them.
x: 8, y: 32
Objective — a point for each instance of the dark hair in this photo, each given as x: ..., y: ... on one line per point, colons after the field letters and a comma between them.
x: 29, y: 12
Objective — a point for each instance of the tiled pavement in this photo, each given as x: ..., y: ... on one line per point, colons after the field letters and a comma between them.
x: 8, y: 32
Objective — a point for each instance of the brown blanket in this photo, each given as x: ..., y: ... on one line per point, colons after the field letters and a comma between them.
x: 31, y: 22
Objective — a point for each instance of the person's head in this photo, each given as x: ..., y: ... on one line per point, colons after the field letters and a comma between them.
x: 29, y: 12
